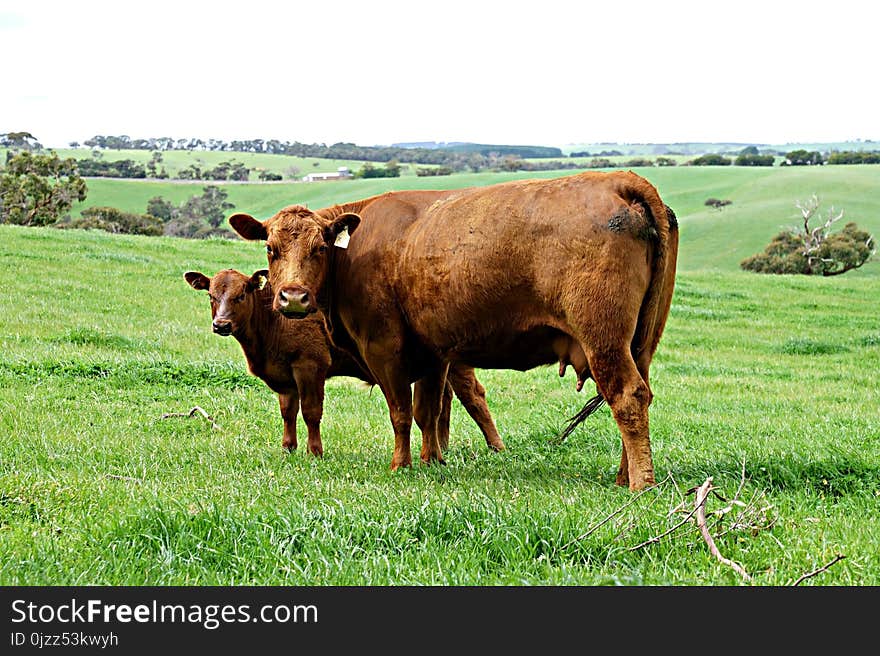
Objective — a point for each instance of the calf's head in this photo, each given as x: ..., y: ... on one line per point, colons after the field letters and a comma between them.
x: 232, y: 297
x: 298, y: 247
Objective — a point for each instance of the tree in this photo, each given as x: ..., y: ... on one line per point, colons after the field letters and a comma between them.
x: 39, y: 189
x: 803, y: 158
x: 20, y: 141
x: 211, y: 206
x: 153, y: 164
x: 814, y: 251
x: 161, y: 208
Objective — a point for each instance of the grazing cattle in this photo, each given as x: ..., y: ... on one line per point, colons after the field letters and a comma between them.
x: 578, y: 269
x: 295, y: 358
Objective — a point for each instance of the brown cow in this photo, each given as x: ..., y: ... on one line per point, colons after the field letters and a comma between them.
x: 295, y: 358
x: 579, y: 268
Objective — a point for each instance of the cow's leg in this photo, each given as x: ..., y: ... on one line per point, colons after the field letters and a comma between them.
x: 398, y: 396
x: 310, y: 381
x: 626, y: 392
x: 445, y: 416
x: 427, y: 406
x: 473, y: 397
x: 289, y: 404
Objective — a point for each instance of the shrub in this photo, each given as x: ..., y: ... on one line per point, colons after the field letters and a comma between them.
x: 814, y: 251
x: 115, y: 220
x: 748, y: 159
x: 711, y: 160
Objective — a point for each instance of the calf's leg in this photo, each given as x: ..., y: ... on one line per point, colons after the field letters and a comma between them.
x: 289, y: 404
x: 310, y: 381
x: 445, y: 414
x: 473, y: 397
x: 427, y: 406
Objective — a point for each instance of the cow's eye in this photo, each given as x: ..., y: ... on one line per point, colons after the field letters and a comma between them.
x: 322, y: 248
x: 268, y: 250
x: 239, y: 298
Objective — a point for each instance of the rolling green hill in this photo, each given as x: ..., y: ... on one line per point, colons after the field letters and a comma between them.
x: 762, y: 201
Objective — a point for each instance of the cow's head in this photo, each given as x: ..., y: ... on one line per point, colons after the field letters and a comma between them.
x: 298, y: 246
x: 232, y: 297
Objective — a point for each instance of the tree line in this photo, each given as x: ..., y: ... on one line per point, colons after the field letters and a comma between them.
x: 341, y: 150
x: 40, y: 189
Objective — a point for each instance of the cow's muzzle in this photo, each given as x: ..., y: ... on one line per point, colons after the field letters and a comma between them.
x: 223, y: 328
x: 294, y: 302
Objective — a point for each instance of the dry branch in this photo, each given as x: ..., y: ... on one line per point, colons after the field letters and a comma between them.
x: 700, y: 509
x: 192, y: 413
x: 657, y: 538
x: 123, y: 478
x: 824, y: 568
x: 596, y: 527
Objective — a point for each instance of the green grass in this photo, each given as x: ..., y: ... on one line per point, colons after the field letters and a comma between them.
x: 101, y: 336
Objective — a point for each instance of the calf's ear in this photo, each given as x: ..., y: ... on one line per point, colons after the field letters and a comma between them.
x: 197, y: 280
x: 248, y: 227
x: 258, y: 280
x: 339, y: 230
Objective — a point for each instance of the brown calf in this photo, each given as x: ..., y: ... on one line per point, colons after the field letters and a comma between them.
x: 295, y: 358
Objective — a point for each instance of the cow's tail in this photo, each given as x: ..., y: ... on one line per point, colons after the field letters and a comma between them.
x: 658, y: 297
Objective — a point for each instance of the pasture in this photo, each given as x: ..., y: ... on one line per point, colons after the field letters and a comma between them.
x: 767, y: 384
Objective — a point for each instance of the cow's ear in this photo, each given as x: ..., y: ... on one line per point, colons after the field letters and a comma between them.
x: 248, y: 227
x: 197, y: 280
x: 258, y: 280
x: 341, y: 228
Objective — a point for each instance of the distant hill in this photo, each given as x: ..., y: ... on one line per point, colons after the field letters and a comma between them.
x: 430, y: 145
x: 721, y: 147
x: 501, y: 149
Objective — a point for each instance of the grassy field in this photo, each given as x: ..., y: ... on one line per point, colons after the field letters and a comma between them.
x: 767, y: 384
x: 762, y: 201
x: 176, y: 160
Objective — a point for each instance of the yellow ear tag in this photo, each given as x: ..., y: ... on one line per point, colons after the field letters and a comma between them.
x: 263, y: 280
x: 342, y: 238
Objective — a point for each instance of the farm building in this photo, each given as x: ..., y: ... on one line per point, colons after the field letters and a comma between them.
x: 342, y: 173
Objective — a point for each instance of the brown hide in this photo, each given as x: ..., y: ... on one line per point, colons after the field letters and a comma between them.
x: 294, y: 358
x: 578, y: 269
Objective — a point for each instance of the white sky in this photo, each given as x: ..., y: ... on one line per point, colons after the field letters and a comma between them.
x: 543, y: 72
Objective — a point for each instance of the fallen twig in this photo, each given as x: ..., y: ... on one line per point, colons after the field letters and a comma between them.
x: 700, y: 509
x: 192, y: 413
x: 596, y: 527
x: 657, y: 538
x: 824, y: 568
x: 123, y: 478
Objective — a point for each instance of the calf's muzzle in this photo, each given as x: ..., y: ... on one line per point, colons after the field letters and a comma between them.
x: 223, y: 328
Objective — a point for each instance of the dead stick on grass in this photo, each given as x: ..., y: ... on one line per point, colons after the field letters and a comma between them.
x: 700, y: 508
x: 123, y: 478
x: 596, y: 527
x: 192, y: 413
x: 657, y: 538
x: 824, y: 568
